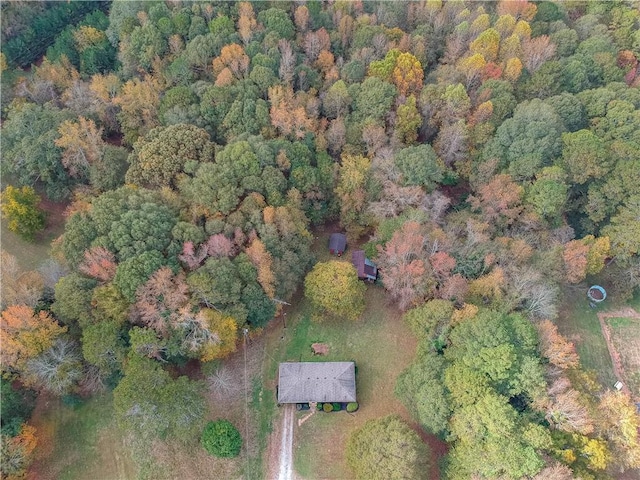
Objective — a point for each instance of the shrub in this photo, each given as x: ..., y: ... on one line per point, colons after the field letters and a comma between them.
x: 327, y: 407
x: 222, y: 439
x: 352, y: 407
x: 336, y: 407
x: 72, y: 400
x: 319, y: 406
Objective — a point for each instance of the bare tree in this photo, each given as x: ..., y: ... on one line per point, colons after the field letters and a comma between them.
x: 537, y: 51
x: 555, y: 471
x: 225, y: 382
x: 52, y: 271
x: 58, y: 369
x: 564, y: 409
x: 287, y: 61
x: 451, y: 143
x: 528, y: 290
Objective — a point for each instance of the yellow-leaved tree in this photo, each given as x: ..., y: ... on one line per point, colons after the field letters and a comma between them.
x: 333, y: 287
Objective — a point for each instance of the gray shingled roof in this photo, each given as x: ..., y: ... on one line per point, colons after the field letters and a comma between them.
x: 337, y: 242
x: 301, y: 382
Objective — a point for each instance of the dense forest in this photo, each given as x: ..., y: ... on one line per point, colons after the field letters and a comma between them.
x: 485, y: 154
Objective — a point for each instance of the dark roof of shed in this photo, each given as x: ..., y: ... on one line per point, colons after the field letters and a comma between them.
x: 337, y: 242
x: 302, y: 382
x: 364, y: 266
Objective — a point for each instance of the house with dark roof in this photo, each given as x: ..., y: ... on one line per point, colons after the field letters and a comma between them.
x: 303, y: 382
x: 337, y: 243
x: 367, y: 270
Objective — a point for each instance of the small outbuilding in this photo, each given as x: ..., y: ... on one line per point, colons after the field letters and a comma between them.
x: 304, y: 382
x: 337, y: 243
x: 367, y: 270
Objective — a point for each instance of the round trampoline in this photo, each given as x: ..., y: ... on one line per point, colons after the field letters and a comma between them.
x: 596, y: 293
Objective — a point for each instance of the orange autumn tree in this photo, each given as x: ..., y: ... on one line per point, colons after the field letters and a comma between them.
x: 99, y: 263
x: 407, y: 74
x: 247, y: 24
x: 233, y: 58
x: 24, y: 335
x: 17, y: 452
x: 263, y: 262
x: 585, y: 257
x: 557, y: 349
x: 499, y: 200
x: 287, y: 115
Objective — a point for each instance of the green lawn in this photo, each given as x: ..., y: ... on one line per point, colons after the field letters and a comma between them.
x: 579, y: 323
x: 30, y: 255
x: 380, y: 344
x: 79, y: 442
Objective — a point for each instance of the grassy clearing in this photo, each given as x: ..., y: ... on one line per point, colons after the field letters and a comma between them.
x: 30, y: 255
x: 79, y: 442
x: 625, y: 334
x: 380, y: 344
x: 579, y: 323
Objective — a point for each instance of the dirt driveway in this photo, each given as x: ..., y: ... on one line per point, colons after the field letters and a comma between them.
x: 280, y: 451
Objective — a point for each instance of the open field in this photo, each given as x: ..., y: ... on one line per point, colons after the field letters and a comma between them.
x: 84, y: 442
x: 78, y: 442
x: 380, y: 344
x: 625, y: 334
x: 30, y: 255
x: 579, y: 323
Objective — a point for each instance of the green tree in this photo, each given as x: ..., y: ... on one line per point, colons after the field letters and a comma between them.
x: 220, y: 186
x: 408, y: 121
x: 136, y: 270
x: 150, y: 404
x: 337, y: 100
x: 109, y: 173
x: 103, y: 345
x: 421, y: 388
x: 29, y: 151
x: 20, y: 208
x: 277, y: 20
x: 73, y: 299
x: 218, y: 284
x: 334, y: 287
x: 147, y: 228
x: 624, y: 230
x: 286, y: 237
x: 354, y: 191
x: 165, y: 153
x: 528, y: 141
x: 221, y: 439
x: 373, y: 99
x: 491, y: 429
x: 16, y: 407
x: 420, y: 166
x: 548, y: 194
x: 386, y: 449
x: 584, y: 156
x: 430, y: 320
